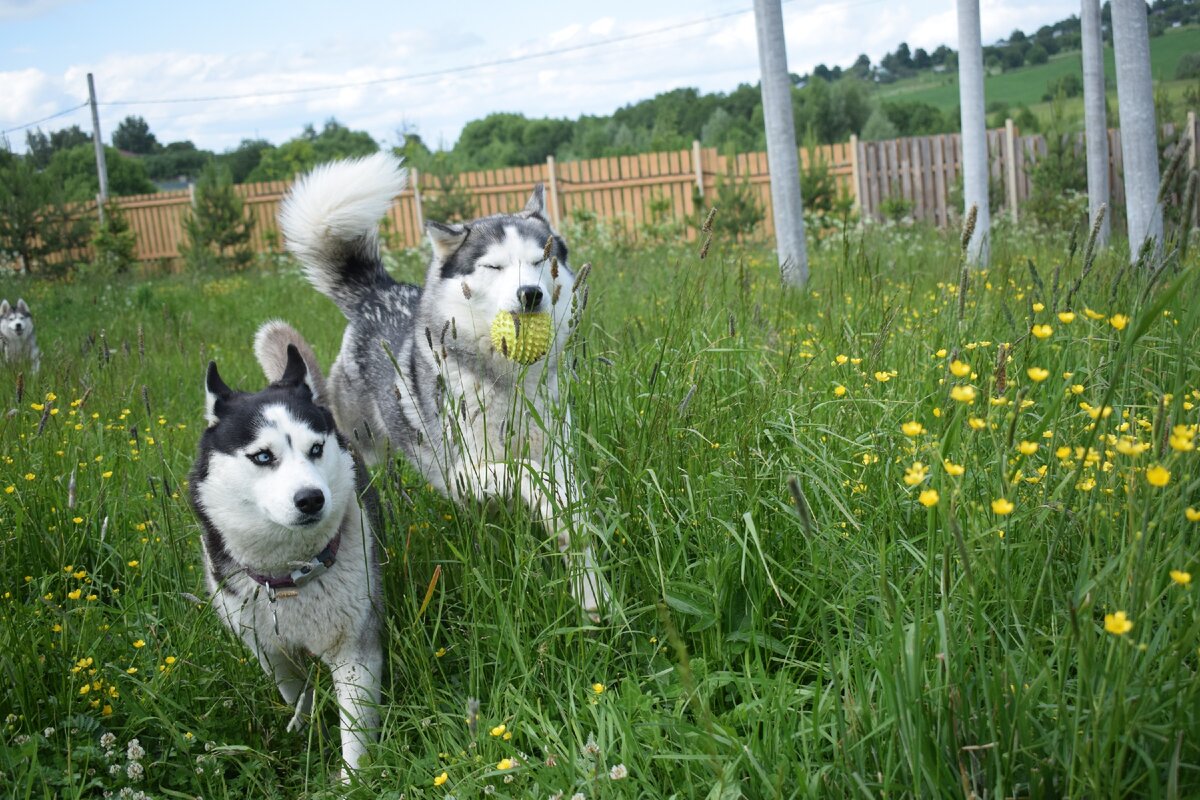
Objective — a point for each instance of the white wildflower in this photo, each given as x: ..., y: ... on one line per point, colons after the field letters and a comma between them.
x: 135, y: 770
x: 618, y: 772
x: 134, y: 751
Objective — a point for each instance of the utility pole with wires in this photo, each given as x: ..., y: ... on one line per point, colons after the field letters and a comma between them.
x: 101, y: 167
x: 782, y: 157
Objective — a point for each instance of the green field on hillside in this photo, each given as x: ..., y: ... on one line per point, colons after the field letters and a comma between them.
x: 1026, y: 86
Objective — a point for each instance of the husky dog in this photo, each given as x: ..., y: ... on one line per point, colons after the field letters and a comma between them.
x: 16, y: 334
x: 418, y: 371
x: 289, y: 554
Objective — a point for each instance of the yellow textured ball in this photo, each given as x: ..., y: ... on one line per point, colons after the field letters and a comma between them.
x: 524, y: 338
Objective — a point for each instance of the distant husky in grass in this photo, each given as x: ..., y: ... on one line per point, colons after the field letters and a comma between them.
x: 422, y: 370
x: 16, y: 335
x: 289, y: 553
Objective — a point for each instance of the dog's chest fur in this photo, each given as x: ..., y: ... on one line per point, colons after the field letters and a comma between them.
x: 316, y: 618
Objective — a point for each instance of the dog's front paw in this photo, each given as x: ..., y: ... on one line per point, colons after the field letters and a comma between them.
x: 297, y: 721
x: 593, y: 597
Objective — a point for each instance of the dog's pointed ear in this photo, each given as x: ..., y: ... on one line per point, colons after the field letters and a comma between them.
x: 24, y: 309
x: 296, y: 372
x: 216, y: 393
x: 536, y: 207
x: 446, y: 239
x: 4, y: 308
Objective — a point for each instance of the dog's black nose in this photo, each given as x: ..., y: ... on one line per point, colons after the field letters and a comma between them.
x: 18, y: 327
x: 310, y: 500
x: 530, y: 297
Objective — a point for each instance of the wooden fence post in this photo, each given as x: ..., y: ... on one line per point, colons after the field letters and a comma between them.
x: 555, y: 213
x: 697, y: 166
x: 416, y: 184
x: 855, y: 178
x: 1010, y: 167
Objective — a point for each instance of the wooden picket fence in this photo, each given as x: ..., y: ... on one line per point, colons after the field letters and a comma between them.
x: 916, y: 174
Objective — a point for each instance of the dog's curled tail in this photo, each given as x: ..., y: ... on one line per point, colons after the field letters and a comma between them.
x: 330, y: 220
x: 270, y: 348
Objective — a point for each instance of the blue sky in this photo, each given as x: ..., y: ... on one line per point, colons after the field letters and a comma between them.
x: 141, y: 51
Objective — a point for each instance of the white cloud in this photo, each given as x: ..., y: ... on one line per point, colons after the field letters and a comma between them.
x: 28, y: 9
x: 714, y: 56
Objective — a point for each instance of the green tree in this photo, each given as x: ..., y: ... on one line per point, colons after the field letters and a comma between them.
x: 175, y: 161
x: 217, y: 230
x: 243, y: 159
x: 444, y: 199
x: 133, y: 135
x: 42, y: 147
x: 35, y: 222
x: 114, y: 243
x: 75, y: 171
x: 311, y: 148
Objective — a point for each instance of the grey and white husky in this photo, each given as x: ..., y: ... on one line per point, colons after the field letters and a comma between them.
x: 418, y: 371
x: 289, y: 554
x: 17, y: 339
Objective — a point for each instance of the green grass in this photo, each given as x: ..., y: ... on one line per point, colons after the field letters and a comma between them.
x: 869, y: 647
x: 1027, y: 85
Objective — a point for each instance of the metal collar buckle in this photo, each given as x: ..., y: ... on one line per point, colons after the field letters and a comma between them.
x: 310, y: 571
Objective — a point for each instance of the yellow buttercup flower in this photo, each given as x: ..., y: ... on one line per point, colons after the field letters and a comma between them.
x: 1181, y: 577
x: 1037, y: 374
x: 915, y: 474
x: 883, y: 377
x: 1118, y: 624
x: 1182, y: 438
x: 1027, y: 448
x: 1158, y: 475
x: 1002, y: 506
x: 977, y: 424
x: 505, y: 763
x: 952, y: 468
x: 139, y: 644
x: 912, y: 428
x: 498, y: 730
x: 598, y: 688
x: 963, y: 394
x: 959, y: 369
x: 1192, y: 514
x: 1066, y: 317
x: 1042, y: 331
x: 1118, y: 321
x: 440, y: 779
x: 1039, y: 307
x: 928, y: 498
x: 1092, y: 314
x: 839, y: 391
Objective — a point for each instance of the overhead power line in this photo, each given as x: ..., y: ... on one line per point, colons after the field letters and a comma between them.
x: 499, y: 62
x: 44, y: 119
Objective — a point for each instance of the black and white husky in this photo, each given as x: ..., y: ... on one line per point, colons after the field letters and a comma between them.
x: 17, y: 341
x: 289, y: 554
x: 418, y: 372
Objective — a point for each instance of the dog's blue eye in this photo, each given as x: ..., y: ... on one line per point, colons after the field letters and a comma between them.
x: 316, y: 450
x: 262, y: 458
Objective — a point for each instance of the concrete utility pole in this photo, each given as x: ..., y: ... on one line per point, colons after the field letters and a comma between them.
x: 782, y: 158
x: 101, y: 167
x: 1095, y: 120
x: 974, y: 129
x: 1139, y: 139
